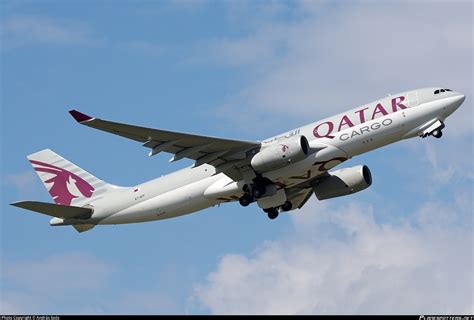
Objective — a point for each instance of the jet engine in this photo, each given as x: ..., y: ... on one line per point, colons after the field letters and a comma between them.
x: 280, y: 154
x: 343, y: 182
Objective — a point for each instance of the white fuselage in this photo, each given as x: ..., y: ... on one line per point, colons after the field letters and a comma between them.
x: 332, y: 141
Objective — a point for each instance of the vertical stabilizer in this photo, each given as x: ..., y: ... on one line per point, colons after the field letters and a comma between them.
x: 67, y: 183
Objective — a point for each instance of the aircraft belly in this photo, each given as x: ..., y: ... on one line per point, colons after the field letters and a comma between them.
x: 317, y: 163
x: 418, y: 117
x: 180, y: 201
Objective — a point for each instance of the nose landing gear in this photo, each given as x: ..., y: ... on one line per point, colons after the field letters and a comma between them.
x: 434, y: 130
x: 437, y: 133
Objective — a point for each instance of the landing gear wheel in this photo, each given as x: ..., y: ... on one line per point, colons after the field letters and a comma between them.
x: 287, y: 206
x: 437, y: 133
x: 258, y: 191
x: 245, y: 200
x: 272, y: 213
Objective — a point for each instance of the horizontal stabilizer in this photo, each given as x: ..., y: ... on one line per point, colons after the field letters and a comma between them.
x: 55, y: 210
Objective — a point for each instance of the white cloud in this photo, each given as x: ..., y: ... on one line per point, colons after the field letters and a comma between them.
x: 339, y: 260
x: 187, y: 5
x: 249, y: 50
x: 21, y: 180
x: 27, y: 30
x: 26, y: 183
x: 335, y: 57
x: 15, y: 302
x: 154, y: 10
x: 144, y: 302
x: 441, y: 174
x: 54, y: 272
x: 443, y: 162
x: 78, y: 283
x: 44, y: 285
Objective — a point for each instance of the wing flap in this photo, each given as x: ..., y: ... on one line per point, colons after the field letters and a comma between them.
x: 299, y: 199
x: 55, y: 210
x: 182, y: 145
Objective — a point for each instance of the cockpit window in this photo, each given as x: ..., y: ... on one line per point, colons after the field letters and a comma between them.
x: 437, y: 91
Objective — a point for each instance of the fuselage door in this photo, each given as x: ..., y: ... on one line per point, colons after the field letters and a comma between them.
x: 412, y: 98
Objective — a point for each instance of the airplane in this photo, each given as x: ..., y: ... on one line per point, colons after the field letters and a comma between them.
x: 280, y: 174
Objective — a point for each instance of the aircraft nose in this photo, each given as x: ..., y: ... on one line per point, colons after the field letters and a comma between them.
x: 453, y: 102
x: 460, y: 99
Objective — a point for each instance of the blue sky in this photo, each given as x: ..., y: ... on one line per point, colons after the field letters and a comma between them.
x: 248, y: 70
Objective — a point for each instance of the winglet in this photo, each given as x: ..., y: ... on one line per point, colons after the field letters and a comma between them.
x: 80, y: 117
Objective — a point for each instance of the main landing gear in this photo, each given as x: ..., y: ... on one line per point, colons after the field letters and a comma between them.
x: 258, y: 189
x: 246, y: 199
x: 273, y: 212
x: 253, y: 192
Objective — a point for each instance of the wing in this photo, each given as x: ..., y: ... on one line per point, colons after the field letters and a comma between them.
x: 224, y: 154
x: 299, y: 197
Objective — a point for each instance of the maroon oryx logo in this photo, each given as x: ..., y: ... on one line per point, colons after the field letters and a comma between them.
x: 61, y: 181
x: 284, y: 147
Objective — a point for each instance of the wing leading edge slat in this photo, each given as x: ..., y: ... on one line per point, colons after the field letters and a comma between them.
x: 202, y: 149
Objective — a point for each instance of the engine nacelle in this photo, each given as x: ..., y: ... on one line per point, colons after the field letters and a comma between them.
x: 343, y: 182
x: 280, y: 154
